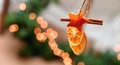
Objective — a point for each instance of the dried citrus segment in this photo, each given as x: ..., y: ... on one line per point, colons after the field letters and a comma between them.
x: 77, y: 40
x: 74, y: 36
x: 80, y: 48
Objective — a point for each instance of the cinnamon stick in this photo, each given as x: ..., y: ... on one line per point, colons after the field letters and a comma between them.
x: 91, y: 21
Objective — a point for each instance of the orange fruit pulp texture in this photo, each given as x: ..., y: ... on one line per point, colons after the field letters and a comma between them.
x: 76, y: 36
x: 77, y: 40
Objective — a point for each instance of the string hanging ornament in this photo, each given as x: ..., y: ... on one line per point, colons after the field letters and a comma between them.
x: 76, y: 35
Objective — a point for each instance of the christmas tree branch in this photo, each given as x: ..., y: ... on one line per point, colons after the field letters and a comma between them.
x: 91, y: 21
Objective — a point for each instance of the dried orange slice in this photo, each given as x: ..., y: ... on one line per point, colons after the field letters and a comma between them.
x: 77, y: 39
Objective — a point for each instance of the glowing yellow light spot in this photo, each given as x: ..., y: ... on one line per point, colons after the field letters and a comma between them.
x: 37, y: 30
x: 53, y: 45
x: 57, y: 52
x: 41, y: 37
x: 22, y: 6
x: 44, y: 24
x: 13, y: 28
x: 118, y: 56
x: 32, y: 16
x: 49, y: 30
x: 117, y: 48
x: 65, y: 55
x: 67, y: 61
x: 81, y: 63
x: 51, y: 41
x: 53, y: 35
x: 40, y: 19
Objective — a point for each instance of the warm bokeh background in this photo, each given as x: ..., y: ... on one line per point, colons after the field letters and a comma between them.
x: 103, y: 40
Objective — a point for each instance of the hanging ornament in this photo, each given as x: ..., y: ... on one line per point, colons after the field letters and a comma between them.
x: 76, y: 35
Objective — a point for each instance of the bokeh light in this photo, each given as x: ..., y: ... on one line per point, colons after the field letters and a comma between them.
x: 32, y: 16
x: 65, y: 55
x: 52, y: 35
x: 40, y: 19
x: 81, y: 63
x: 53, y: 45
x: 49, y: 30
x: 51, y: 41
x: 41, y: 37
x: 67, y: 61
x: 37, y: 30
x: 13, y: 28
x: 57, y: 52
x: 44, y: 24
x: 117, y: 48
x: 22, y: 6
x: 66, y: 58
x: 118, y: 56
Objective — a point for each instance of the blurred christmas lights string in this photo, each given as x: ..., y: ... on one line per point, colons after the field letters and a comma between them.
x: 42, y: 36
x: 51, y: 35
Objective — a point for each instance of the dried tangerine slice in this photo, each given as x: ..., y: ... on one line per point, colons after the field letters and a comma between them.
x: 77, y: 40
x: 74, y: 35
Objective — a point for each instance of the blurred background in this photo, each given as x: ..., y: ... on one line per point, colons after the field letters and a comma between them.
x: 22, y: 21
